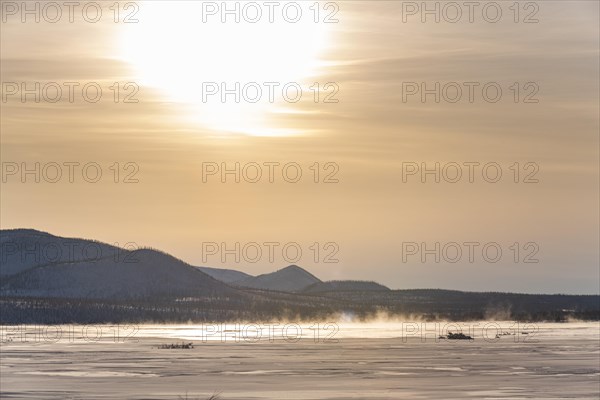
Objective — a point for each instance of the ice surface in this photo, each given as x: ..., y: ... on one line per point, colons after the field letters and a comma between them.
x: 368, y: 361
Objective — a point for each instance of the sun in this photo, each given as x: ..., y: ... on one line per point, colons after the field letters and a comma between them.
x: 231, y: 64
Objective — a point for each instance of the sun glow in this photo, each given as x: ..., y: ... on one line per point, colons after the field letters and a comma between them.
x: 230, y: 75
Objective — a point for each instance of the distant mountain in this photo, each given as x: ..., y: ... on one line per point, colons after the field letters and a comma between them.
x: 22, y: 249
x: 289, y: 279
x: 225, y: 275
x: 50, y: 279
x: 113, y: 273
x: 333, y: 286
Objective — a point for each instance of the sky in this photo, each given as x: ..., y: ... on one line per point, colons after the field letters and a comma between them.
x: 313, y: 134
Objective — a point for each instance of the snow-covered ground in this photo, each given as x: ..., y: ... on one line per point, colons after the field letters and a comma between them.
x: 343, y: 360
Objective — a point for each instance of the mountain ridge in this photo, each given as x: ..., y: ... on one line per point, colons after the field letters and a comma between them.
x: 288, y: 279
x: 113, y: 273
x: 149, y: 285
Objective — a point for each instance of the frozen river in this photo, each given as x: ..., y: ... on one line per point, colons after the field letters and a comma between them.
x: 302, y: 361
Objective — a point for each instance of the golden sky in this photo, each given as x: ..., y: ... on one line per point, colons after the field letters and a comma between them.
x: 371, y: 54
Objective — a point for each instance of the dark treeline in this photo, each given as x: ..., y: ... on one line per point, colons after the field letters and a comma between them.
x: 260, y: 305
